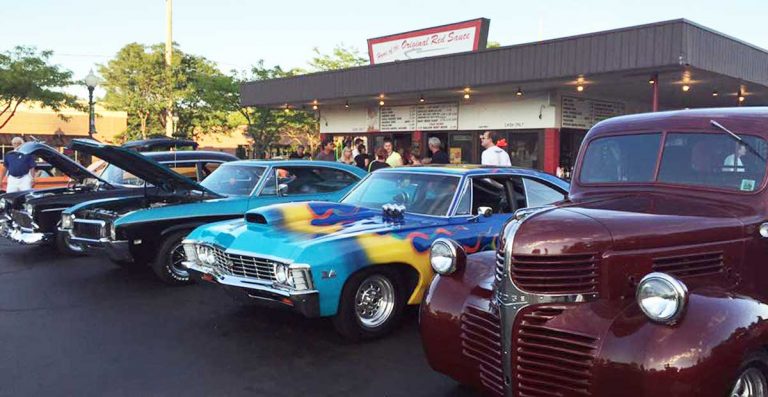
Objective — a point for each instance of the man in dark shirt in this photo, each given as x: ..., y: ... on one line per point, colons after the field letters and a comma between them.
x: 19, y: 167
x: 438, y: 156
x: 299, y: 153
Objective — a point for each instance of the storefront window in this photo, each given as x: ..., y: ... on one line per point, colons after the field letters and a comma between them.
x: 523, y: 149
x: 460, y: 148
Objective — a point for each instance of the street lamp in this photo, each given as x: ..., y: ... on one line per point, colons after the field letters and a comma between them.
x: 91, y: 81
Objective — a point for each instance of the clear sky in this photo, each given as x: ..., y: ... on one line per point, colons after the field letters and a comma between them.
x: 237, y: 33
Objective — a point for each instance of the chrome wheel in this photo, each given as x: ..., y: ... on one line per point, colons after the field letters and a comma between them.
x: 751, y: 383
x: 374, y: 301
x: 175, y: 257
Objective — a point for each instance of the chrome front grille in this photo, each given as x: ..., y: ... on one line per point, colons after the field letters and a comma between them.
x: 23, y: 219
x: 481, y: 343
x: 244, y: 266
x: 89, y: 229
x: 555, y: 274
x: 551, y: 361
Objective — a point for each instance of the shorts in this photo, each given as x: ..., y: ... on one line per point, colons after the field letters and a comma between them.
x: 19, y: 184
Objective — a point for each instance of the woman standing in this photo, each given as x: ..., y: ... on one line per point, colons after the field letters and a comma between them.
x: 346, y: 156
x: 381, y: 160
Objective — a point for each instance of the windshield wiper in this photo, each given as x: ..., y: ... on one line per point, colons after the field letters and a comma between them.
x: 737, y: 138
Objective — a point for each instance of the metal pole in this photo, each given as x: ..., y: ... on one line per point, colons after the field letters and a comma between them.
x: 91, y: 114
x: 655, y: 100
x: 168, y: 54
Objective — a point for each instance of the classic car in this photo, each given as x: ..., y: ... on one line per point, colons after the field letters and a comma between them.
x: 363, y: 259
x: 148, y: 229
x: 649, y: 280
x: 33, y: 217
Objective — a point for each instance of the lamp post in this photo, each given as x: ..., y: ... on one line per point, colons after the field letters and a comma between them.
x: 91, y: 81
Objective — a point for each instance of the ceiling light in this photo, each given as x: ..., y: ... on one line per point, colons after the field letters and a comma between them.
x: 580, y: 80
x: 381, y: 96
x: 466, y: 95
x: 314, y: 107
x: 686, y: 87
x: 346, y: 105
x: 715, y: 93
x: 381, y: 102
x: 421, y: 99
x: 519, y: 92
x: 652, y: 80
x: 579, y: 88
x: 314, y: 102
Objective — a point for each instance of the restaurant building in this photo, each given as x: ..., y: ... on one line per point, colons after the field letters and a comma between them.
x: 541, y: 97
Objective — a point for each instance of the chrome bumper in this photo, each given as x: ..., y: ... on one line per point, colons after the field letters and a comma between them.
x: 305, y: 302
x: 19, y: 235
x: 118, y: 250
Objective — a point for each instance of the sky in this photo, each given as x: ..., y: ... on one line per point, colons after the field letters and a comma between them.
x: 236, y: 34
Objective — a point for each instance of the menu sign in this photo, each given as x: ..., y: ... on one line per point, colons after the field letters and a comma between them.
x: 584, y: 113
x: 437, y: 116
x: 447, y: 39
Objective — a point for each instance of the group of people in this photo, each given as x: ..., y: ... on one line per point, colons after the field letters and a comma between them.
x: 355, y: 153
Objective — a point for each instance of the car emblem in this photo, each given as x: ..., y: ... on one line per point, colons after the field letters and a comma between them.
x: 329, y: 274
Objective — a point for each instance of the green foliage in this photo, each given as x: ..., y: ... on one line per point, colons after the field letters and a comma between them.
x: 138, y: 82
x: 341, y: 58
x: 493, y: 44
x: 27, y: 76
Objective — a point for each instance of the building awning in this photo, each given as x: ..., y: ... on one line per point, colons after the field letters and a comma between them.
x: 613, y: 64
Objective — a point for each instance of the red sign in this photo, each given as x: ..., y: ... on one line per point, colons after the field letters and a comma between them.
x: 447, y: 39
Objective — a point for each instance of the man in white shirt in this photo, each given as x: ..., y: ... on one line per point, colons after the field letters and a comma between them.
x: 493, y: 155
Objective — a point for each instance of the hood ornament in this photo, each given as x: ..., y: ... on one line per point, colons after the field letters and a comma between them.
x: 394, y: 213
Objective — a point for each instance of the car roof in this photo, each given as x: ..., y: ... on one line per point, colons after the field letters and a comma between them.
x: 189, y: 155
x: 299, y: 163
x: 474, y: 169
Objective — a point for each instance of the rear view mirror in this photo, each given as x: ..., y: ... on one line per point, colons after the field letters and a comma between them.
x: 282, y: 189
x: 485, y: 211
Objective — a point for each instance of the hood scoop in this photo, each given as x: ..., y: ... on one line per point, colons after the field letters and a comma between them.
x: 255, y: 217
x: 683, y: 266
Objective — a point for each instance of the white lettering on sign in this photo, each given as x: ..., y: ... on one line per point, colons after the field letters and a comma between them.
x: 448, y: 39
x: 583, y: 113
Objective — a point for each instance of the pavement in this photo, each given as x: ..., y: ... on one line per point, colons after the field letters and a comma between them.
x: 83, y: 326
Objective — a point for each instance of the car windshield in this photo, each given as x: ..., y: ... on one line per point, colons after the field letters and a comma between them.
x: 233, y: 179
x: 116, y: 176
x: 689, y: 158
x: 427, y: 194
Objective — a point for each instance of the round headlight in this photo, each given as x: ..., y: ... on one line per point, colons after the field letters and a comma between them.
x: 661, y: 297
x: 281, y: 274
x: 446, y: 256
x: 66, y: 221
x: 29, y: 208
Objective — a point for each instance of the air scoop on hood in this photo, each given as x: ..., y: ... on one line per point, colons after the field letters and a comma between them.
x: 312, y: 213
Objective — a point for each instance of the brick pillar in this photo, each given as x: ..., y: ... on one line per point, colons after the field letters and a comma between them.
x: 551, y: 150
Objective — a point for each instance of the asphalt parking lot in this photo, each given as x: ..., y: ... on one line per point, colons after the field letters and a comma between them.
x: 82, y: 326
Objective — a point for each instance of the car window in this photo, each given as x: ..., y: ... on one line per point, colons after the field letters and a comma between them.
x: 208, y: 168
x: 713, y: 160
x: 307, y: 180
x: 117, y: 176
x: 187, y: 169
x: 465, y: 203
x: 538, y: 194
x: 420, y: 193
x: 491, y: 192
x: 621, y: 159
x: 234, y: 179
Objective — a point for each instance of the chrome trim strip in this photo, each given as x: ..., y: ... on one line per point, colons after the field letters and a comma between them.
x: 509, y: 299
x: 89, y: 221
x: 54, y: 209
x: 247, y: 283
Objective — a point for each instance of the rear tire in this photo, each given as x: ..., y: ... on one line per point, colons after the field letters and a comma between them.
x: 167, y: 264
x: 752, y: 378
x: 371, y: 304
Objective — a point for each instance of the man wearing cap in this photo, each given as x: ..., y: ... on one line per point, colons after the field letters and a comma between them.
x: 19, y: 167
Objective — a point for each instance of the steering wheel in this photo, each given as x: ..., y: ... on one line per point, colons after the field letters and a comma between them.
x: 401, y: 198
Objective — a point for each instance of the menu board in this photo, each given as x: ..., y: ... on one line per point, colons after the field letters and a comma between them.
x: 437, y: 116
x: 584, y: 113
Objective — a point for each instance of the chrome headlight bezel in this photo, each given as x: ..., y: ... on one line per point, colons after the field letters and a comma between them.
x: 190, y: 252
x: 29, y: 208
x: 282, y: 274
x: 67, y: 221
x: 661, y: 297
x: 3, y: 204
x: 112, y: 231
x: 205, y: 255
x: 446, y: 256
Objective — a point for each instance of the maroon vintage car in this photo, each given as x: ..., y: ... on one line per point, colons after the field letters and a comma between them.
x: 650, y: 280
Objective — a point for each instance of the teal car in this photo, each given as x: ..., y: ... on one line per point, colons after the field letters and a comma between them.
x: 147, y: 228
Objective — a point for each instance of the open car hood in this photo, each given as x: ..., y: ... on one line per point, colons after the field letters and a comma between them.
x: 59, y: 161
x: 143, y: 167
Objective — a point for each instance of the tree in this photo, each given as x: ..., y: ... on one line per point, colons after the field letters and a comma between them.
x: 27, y: 76
x: 138, y: 82
x: 493, y: 44
x: 264, y: 126
x: 341, y: 58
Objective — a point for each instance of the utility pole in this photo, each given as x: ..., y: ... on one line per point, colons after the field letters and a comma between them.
x: 168, y: 54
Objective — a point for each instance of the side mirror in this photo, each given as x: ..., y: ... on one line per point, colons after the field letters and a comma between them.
x: 282, y: 189
x: 485, y: 211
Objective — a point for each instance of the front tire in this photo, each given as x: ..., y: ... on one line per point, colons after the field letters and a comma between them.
x: 371, y: 304
x: 752, y: 380
x: 167, y: 264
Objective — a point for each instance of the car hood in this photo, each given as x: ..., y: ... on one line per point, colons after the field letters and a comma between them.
x: 141, y: 166
x: 630, y: 222
x: 59, y: 161
x: 287, y: 230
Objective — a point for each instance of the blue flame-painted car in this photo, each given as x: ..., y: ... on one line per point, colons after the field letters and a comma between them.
x: 354, y: 260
